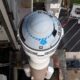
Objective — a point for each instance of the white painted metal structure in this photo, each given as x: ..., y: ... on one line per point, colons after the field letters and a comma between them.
x: 3, y: 34
x: 53, y: 7
x: 73, y: 11
x: 9, y: 26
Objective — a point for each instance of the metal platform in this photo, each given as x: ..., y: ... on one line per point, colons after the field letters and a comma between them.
x: 71, y: 39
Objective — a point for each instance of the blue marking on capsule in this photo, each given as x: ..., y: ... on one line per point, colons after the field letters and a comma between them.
x: 43, y: 41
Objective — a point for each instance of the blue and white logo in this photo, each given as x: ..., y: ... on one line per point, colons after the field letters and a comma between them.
x: 43, y: 41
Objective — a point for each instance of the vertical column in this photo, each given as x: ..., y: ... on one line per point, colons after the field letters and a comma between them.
x: 61, y: 53
x: 38, y: 74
